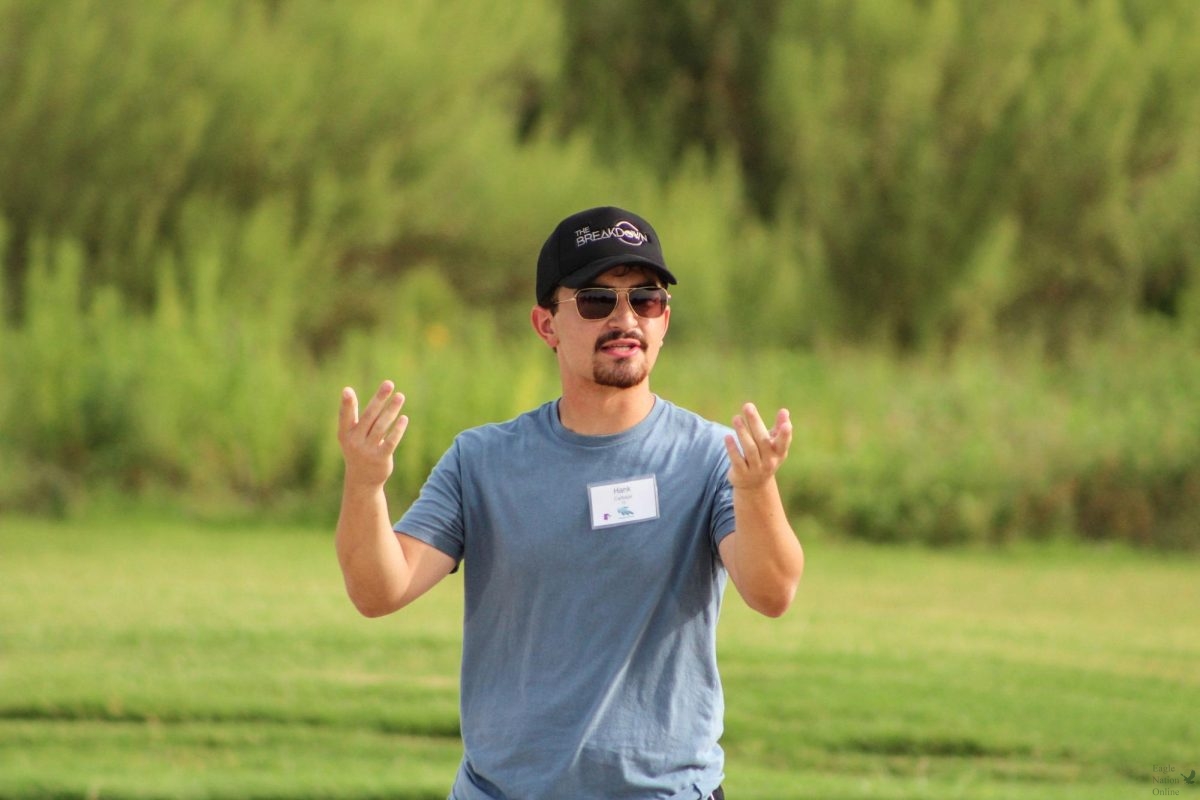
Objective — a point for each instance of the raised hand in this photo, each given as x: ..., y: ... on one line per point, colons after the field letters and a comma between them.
x: 369, y: 441
x: 762, y: 451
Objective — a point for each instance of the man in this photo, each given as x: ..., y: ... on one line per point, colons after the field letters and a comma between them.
x: 596, y: 531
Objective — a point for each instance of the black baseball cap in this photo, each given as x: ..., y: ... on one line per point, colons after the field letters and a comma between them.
x: 588, y: 243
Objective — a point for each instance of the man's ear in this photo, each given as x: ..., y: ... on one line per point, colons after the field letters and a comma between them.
x: 543, y: 323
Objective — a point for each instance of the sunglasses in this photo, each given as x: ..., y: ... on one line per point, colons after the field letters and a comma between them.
x: 599, y: 302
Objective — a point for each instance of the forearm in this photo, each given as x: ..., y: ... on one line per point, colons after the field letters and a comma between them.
x: 373, y: 563
x: 768, y: 557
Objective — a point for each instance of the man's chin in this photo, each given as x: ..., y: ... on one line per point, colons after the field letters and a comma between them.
x: 621, y: 376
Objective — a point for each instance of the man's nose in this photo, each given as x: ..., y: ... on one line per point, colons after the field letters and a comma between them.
x: 623, y: 314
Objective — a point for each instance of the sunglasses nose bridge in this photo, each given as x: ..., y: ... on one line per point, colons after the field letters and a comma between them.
x: 623, y: 305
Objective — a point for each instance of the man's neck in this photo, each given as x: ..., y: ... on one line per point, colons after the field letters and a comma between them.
x: 605, y: 410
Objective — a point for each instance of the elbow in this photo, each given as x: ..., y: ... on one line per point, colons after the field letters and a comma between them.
x: 372, y: 610
x: 774, y: 611
x: 774, y: 599
x: 373, y: 606
x: 774, y: 605
x: 768, y: 584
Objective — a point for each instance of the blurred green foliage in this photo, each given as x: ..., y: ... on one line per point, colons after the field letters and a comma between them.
x: 942, y: 221
x: 939, y: 168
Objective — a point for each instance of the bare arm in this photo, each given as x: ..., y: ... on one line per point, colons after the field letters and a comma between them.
x: 763, y: 556
x: 383, y: 571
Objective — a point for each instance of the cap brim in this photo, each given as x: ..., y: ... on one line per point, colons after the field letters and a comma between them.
x: 582, y: 277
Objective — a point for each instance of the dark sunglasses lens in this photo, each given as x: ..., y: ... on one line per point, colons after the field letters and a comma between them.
x: 648, y: 303
x: 595, y: 303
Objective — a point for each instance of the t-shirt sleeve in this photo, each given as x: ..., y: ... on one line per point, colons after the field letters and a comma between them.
x: 721, y: 514
x: 436, y: 516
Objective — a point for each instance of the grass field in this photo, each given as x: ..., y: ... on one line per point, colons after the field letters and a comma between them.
x: 150, y: 660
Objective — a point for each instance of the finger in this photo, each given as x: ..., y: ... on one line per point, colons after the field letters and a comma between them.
x: 758, y: 426
x: 750, y: 451
x: 735, y: 453
x: 370, y: 414
x: 347, y: 411
x: 387, y: 417
x: 396, y: 433
x: 739, y: 470
x: 781, y: 436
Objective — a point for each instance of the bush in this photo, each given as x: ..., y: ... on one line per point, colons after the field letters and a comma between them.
x: 215, y: 215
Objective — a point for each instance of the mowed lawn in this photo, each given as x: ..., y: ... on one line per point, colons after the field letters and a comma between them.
x: 162, y: 660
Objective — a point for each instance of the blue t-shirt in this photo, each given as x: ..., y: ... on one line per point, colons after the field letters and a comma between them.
x: 593, y: 586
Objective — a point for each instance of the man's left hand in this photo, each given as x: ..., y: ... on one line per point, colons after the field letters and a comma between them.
x: 762, y: 451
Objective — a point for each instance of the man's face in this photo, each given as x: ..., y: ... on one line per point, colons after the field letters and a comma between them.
x: 618, y: 351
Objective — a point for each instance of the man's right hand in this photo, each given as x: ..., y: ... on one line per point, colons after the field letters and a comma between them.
x: 369, y: 441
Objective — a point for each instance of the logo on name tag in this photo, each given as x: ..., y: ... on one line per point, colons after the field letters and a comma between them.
x: 623, y: 502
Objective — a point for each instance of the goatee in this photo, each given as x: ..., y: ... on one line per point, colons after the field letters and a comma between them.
x: 621, y: 375
x: 625, y: 373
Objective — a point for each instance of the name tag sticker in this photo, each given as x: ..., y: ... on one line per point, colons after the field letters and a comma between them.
x: 623, y: 502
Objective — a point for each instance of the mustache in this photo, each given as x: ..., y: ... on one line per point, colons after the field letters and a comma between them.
x: 612, y: 336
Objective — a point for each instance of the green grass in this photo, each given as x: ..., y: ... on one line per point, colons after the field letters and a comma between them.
x: 148, y: 660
